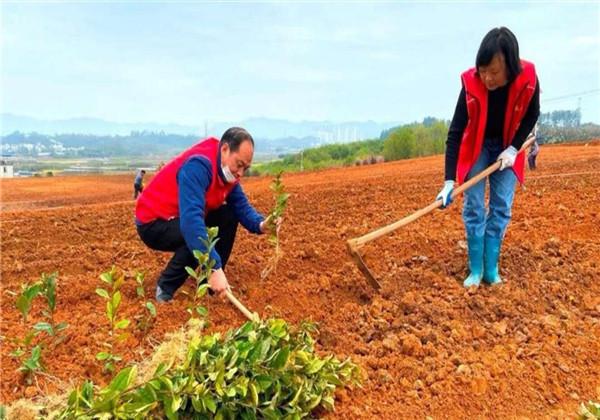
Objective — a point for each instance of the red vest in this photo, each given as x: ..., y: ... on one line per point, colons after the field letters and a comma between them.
x: 159, y: 200
x: 520, y: 92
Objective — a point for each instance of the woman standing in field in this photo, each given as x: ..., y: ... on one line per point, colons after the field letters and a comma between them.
x: 497, y: 108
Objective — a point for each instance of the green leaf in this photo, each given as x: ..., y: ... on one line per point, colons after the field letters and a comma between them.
x: 209, y: 403
x: 315, y: 366
x: 278, y: 328
x: 201, y: 310
x: 61, y: 326
x: 151, y: 308
x: 191, y: 272
x: 103, y: 293
x: 264, y: 382
x: 123, y: 379
x: 253, y: 394
x: 110, y: 313
x: 116, y: 300
x: 102, y: 355
x: 176, y: 403
x: 281, y: 358
x: 107, y: 277
x: 161, y: 369
x: 124, y: 323
x: 44, y: 326
x: 197, y: 404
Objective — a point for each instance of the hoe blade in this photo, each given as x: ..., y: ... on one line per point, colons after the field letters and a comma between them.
x: 363, y: 267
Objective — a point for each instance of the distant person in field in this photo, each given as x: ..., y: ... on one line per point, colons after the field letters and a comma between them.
x: 534, y: 150
x: 138, y: 183
x: 199, y: 188
x: 497, y: 108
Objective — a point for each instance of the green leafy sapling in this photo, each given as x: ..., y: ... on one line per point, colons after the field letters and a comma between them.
x: 202, y: 272
x: 32, y: 365
x: 117, y: 326
x: 48, y: 292
x: 145, y: 320
x: 281, y: 198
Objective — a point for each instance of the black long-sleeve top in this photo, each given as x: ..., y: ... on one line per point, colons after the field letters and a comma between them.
x: 494, y: 125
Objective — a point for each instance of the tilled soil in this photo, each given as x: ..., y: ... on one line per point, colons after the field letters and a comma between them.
x: 527, y: 348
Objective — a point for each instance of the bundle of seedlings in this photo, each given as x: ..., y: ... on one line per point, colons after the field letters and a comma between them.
x: 264, y: 369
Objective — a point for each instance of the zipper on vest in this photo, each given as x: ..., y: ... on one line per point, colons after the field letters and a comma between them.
x: 512, y: 114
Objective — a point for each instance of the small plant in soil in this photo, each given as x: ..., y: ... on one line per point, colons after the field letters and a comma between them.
x: 202, y: 272
x: 48, y: 292
x: 281, y: 198
x: 145, y: 320
x: 46, y: 288
x: 117, y: 326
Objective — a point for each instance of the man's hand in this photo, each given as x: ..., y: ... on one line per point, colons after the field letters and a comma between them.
x: 218, y: 282
x: 446, y: 194
x: 507, y: 157
x: 265, y: 225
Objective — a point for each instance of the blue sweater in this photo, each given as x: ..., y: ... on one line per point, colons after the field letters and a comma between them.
x: 194, y: 178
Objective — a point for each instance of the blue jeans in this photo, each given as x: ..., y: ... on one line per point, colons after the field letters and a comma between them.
x: 492, y: 223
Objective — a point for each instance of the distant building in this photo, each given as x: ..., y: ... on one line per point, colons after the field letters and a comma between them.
x: 6, y: 170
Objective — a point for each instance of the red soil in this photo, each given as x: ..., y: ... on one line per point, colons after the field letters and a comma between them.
x: 428, y: 347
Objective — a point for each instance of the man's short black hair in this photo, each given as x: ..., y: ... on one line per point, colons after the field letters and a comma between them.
x: 500, y: 40
x: 234, y: 137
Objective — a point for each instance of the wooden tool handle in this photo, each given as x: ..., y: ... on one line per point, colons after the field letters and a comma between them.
x: 242, y: 308
x: 357, y: 242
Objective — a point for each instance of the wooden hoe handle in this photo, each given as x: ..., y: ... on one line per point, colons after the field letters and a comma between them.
x: 251, y: 316
x: 360, y: 241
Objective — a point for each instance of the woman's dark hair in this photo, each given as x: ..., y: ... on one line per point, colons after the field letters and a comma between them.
x: 235, y: 136
x: 500, y: 40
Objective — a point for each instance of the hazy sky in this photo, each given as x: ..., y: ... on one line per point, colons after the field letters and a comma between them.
x: 190, y: 62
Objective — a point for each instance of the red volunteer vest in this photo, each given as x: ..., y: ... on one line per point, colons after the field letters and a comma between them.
x: 159, y: 199
x: 520, y: 92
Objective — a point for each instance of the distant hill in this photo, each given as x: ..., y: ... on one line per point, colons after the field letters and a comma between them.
x: 11, y: 123
x: 264, y: 128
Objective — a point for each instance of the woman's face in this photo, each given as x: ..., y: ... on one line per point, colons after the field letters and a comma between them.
x: 494, y: 75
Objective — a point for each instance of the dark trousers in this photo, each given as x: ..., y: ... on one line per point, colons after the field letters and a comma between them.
x: 137, y: 190
x: 531, y: 159
x: 165, y: 235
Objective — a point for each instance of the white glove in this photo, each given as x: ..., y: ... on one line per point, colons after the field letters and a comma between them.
x: 507, y: 158
x: 446, y: 194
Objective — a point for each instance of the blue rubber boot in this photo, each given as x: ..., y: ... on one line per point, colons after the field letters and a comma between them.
x: 475, y: 261
x: 490, y: 260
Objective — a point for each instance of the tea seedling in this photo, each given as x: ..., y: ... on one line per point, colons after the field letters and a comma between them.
x: 202, y: 272
x: 113, y: 301
x: 281, y: 198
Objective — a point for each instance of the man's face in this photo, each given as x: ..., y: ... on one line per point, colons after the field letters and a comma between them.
x: 494, y: 75
x: 238, y: 162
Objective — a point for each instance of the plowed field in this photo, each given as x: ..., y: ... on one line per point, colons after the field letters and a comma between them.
x: 428, y: 347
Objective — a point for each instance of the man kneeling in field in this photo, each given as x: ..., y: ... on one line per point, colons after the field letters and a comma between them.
x: 198, y: 188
